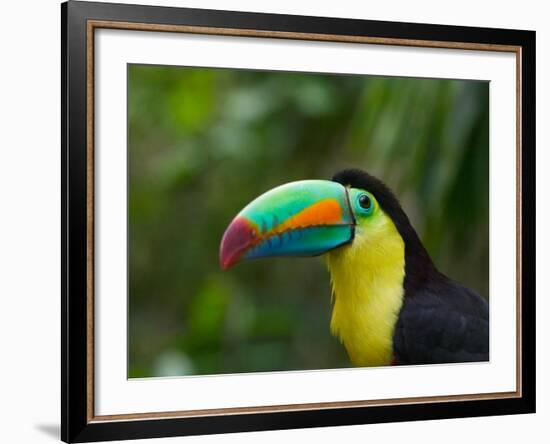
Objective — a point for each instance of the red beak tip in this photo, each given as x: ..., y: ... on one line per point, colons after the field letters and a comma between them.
x: 228, y: 258
x: 224, y: 265
x: 235, y: 242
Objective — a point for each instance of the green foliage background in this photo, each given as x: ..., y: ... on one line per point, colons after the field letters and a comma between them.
x: 204, y: 142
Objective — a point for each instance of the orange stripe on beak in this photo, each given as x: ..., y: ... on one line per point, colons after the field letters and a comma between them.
x: 324, y: 212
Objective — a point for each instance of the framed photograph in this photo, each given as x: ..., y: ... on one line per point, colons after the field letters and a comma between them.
x: 275, y: 221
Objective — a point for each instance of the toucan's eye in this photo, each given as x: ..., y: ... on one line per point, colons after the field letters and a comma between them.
x: 364, y: 202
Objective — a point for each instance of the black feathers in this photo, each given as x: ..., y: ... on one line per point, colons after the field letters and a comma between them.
x: 443, y: 323
x: 440, y: 320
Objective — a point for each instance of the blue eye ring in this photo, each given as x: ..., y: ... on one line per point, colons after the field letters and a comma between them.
x: 365, y: 203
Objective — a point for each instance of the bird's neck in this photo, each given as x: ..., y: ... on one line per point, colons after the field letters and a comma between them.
x: 367, y: 283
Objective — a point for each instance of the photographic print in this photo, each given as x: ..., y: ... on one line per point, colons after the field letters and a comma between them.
x: 283, y: 221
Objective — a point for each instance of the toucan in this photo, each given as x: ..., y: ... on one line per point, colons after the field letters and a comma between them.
x: 390, y: 304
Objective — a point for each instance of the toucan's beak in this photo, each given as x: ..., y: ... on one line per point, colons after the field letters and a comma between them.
x: 304, y: 218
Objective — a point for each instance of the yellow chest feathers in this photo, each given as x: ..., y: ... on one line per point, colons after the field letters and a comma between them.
x: 367, y: 286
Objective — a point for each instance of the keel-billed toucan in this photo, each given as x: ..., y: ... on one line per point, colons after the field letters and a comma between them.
x: 390, y: 303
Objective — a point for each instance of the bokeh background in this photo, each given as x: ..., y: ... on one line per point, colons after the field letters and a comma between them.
x: 204, y: 142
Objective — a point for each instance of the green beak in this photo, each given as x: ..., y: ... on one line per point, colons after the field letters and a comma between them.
x: 304, y: 218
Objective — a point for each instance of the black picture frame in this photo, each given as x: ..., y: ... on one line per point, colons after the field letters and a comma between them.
x: 76, y: 326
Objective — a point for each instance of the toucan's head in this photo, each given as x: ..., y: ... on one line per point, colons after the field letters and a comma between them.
x: 312, y: 217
